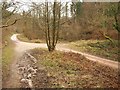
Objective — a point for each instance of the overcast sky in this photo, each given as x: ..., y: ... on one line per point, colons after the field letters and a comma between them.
x: 25, y: 3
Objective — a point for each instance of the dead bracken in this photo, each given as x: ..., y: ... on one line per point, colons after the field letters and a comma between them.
x: 70, y: 70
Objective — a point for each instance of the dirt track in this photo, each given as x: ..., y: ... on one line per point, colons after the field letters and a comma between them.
x: 22, y: 47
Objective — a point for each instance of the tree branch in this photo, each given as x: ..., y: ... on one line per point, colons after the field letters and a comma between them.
x: 3, y: 26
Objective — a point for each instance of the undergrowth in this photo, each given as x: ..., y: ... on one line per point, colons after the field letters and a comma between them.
x: 102, y: 48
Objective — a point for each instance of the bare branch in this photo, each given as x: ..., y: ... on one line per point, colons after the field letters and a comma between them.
x: 3, y: 26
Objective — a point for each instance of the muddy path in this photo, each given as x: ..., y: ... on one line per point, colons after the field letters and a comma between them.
x: 19, y: 70
x: 23, y: 68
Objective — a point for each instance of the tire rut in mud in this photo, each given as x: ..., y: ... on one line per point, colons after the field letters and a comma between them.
x: 29, y: 72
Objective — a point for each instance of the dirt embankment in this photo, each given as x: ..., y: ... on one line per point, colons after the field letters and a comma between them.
x: 71, y: 70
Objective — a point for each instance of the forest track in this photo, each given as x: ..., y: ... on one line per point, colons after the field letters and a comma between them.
x: 23, y: 46
x: 20, y: 59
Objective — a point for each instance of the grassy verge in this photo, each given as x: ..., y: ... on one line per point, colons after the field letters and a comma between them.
x: 7, y: 56
x: 102, y: 48
x: 25, y: 39
x: 70, y: 70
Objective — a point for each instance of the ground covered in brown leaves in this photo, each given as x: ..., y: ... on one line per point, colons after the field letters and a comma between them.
x: 70, y: 70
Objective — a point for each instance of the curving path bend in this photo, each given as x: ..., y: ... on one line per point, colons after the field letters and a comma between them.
x: 23, y: 46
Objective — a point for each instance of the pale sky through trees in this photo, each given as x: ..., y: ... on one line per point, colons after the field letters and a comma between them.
x: 25, y: 4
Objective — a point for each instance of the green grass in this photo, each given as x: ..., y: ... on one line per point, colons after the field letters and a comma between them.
x: 25, y: 39
x: 102, y: 48
x: 7, y: 56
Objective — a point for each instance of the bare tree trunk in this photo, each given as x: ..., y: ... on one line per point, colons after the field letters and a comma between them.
x: 48, y: 29
x: 52, y: 24
x: 66, y: 10
x: 25, y: 23
x: 46, y: 35
x: 58, y: 24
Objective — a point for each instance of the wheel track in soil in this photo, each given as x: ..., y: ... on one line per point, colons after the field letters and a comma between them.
x: 22, y: 47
